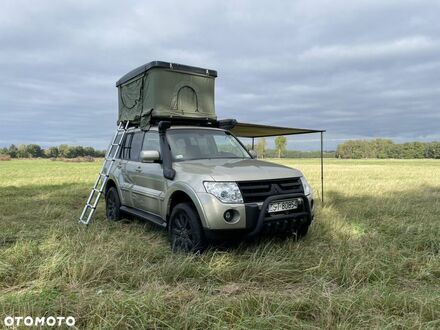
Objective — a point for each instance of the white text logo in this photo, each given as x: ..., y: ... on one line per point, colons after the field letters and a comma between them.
x: 29, y: 321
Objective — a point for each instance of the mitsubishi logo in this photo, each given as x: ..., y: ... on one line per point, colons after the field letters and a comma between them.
x: 275, y: 189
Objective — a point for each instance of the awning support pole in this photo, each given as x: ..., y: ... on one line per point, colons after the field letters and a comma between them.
x: 253, y: 144
x: 322, y: 167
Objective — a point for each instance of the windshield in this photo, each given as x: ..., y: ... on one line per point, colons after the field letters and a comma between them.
x: 189, y: 144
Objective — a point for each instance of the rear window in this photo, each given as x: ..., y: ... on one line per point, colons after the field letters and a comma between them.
x: 125, y: 150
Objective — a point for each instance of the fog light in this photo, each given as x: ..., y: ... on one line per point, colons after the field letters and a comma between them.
x: 231, y: 216
x: 228, y: 215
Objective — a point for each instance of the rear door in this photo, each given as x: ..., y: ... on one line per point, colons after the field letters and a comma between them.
x: 149, y: 184
x: 121, y: 166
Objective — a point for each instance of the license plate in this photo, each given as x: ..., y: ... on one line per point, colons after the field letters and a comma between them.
x: 281, y: 206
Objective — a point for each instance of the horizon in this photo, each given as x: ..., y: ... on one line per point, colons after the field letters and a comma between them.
x: 245, y: 141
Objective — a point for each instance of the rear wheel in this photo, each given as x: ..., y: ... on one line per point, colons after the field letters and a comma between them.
x: 185, y: 230
x: 113, y: 205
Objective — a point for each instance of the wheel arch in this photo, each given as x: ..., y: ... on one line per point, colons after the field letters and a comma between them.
x: 110, y: 183
x: 181, y: 196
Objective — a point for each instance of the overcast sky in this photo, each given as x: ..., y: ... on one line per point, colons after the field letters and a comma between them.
x: 359, y: 69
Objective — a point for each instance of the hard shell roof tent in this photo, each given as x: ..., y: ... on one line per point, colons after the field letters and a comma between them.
x: 166, y: 90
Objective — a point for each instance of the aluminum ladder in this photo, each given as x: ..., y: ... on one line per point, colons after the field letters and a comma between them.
x: 101, y: 181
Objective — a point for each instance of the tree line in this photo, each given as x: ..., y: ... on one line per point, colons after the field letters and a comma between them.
x: 63, y: 150
x: 281, y: 150
x: 353, y: 149
x: 384, y: 148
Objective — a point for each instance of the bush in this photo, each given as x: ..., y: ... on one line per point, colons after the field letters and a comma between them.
x: 4, y: 157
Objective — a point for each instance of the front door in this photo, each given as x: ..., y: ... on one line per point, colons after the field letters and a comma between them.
x: 148, y: 188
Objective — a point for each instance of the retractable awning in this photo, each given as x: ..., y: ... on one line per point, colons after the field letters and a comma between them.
x: 247, y: 130
x: 255, y: 130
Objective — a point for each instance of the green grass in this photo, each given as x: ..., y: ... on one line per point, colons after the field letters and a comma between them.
x: 370, y: 260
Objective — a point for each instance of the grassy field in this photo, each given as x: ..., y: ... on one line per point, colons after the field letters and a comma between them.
x: 370, y: 260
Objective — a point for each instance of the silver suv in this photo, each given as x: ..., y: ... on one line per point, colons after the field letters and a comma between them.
x: 202, y: 184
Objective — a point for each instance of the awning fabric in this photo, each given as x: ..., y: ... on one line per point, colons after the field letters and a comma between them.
x: 254, y: 130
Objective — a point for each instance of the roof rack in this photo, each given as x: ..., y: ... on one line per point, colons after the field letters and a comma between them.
x: 207, y: 122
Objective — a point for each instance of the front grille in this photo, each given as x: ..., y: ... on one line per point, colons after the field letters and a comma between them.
x: 258, y: 191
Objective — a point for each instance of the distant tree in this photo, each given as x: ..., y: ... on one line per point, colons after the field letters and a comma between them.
x: 51, y: 152
x: 13, y: 150
x: 63, y: 150
x: 100, y: 153
x: 34, y: 150
x: 78, y: 151
x: 432, y: 150
x: 89, y: 151
x: 261, y: 147
x: 280, y: 144
x: 22, y: 151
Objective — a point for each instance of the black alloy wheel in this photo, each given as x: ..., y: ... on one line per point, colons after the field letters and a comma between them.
x: 185, y: 230
x: 113, y: 205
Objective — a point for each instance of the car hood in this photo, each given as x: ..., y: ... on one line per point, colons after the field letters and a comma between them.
x: 236, y: 169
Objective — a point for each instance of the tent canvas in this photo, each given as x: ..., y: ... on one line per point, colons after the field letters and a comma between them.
x: 255, y: 130
x: 161, y: 89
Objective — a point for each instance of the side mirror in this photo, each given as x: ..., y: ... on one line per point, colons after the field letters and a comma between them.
x: 148, y: 156
x: 253, y: 153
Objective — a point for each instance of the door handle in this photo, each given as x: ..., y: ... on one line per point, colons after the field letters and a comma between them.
x: 119, y: 166
x: 138, y: 169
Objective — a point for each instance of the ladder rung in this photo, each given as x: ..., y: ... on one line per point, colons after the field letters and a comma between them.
x: 112, y: 159
x: 103, y: 174
x: 97, y: 190
x: 91, y: 206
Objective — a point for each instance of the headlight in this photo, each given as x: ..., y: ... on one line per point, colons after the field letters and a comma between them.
x: 306, y: 186
x: 226, y: 192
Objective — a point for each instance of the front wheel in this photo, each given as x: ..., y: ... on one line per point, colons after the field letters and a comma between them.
x: 113, y: 205
x: 302, y: 230
x: 185, y: 230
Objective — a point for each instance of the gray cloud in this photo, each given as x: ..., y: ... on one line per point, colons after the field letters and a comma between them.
x: 359, y: 69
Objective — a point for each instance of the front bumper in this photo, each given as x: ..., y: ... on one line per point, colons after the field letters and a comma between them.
x: 253, y: 217
x: 259, y: 219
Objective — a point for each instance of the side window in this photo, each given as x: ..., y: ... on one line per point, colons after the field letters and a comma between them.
x: 136, y: 145
x: 151, y: 141
x: 125, y: 150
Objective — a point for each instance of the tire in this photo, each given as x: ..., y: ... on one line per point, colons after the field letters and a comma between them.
x: 185, y: 230
x: 113, y: 205
x: 302, y: 230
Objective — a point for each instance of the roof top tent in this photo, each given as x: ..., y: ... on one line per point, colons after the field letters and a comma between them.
x: 166, y: 90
